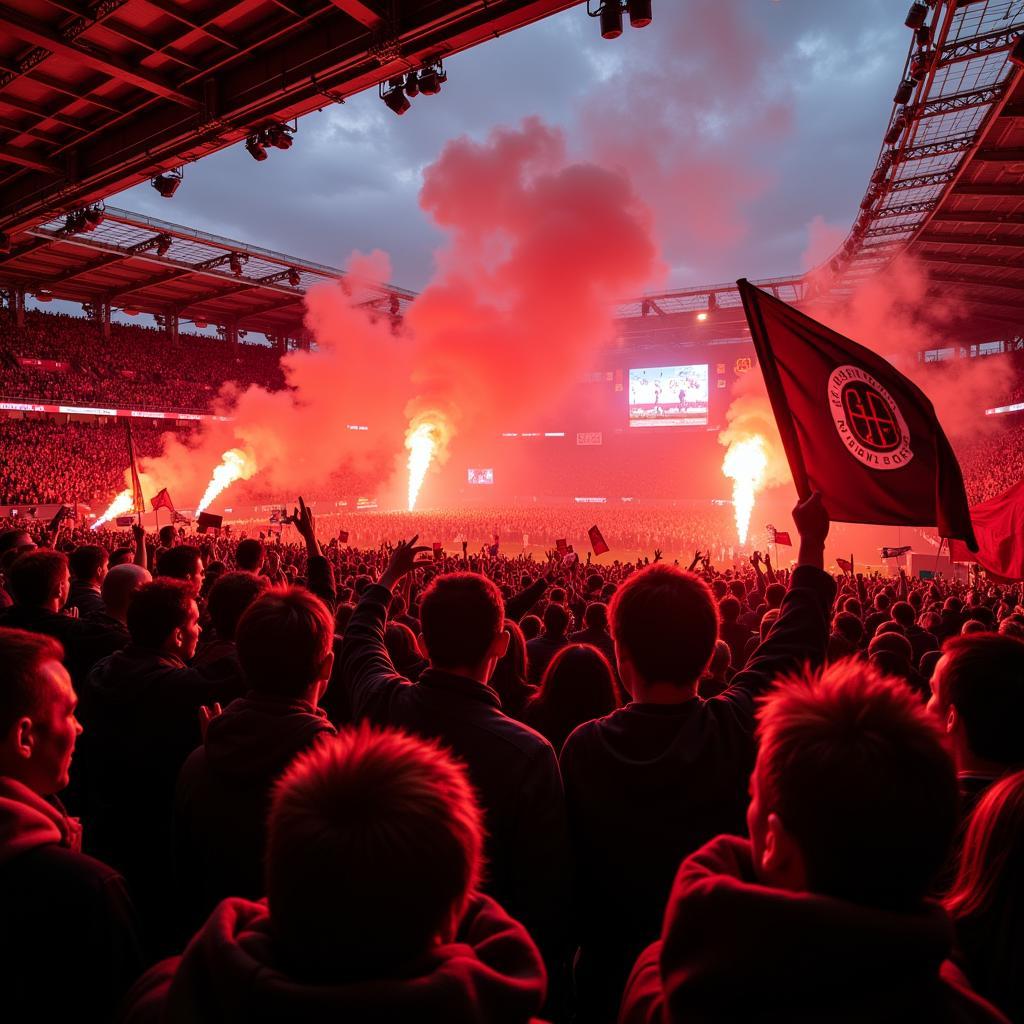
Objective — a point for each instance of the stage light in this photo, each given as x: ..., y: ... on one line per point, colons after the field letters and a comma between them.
x: 167, y: 184
x: 702, y: 316
x: 201, y: 324
x: 235, y: 263
x: 395, y: 98
x: 892, y: 136
x: 293, y: 277
x: 163, y: 243
x: 916, y: 15
x: 611, y: 19
x: 412, y: 84
x: 430, y: 82
x: 280, y: 136
x: 639, y: 13
x: 256, y: 149
x: 924, y: 36
x: 94, y: 215
x: 44, y: 295
x: 130, y: 311
x: 919, y: 65
x: 904, y: 92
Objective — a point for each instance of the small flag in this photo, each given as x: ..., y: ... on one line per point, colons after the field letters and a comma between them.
x: 207, y: 520
x: 782, y: 537
x: 854, y: 427
x: 844, y: 565
x: 438, y: 551
x: 177, y: 517
x: 999, y: 527
x: 597, y: 542
x: 124, y: 520
x: 895, y: 552
x: 343, y: 536
x: 138, y: 501
x: 561, y: 547
x: 161, y: 500
x: 62, y: 513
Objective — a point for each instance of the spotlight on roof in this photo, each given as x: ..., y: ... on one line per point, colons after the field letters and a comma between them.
x: 130, y: 311
x: 702, y: 316
x: 163, y: 243
x: 255, y: 148
x: 293, y: 277
x: 916, y: 15
x: 44, y: 295
x: 431, y: 79
x: 904, y: 92
x: 280, y: 136
x: 924, y: 36
x: 412, y: 84
x: 639, y: 13
x: 167, y: 184
x: 395, y: 97
x: 610, y: 13
x: 95, y: 215
x: 235, y: 263
x: 892, y: 136
x: 201, y: 323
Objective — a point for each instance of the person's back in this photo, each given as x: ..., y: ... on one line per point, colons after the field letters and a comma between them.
x: 141, y: 708
x: 285, y: 648
x: 228, y: 599
x: 513, y: 768
x: 652, y: 781
x: 541, y: 649
x: 374, y: 852
x: 88, y: 564
x: 69, y: 942
x: 986, y: 900
x: 824, y: 913
x: 595, y: 631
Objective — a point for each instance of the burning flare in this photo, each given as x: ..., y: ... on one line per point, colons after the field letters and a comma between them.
x: 234, y: 465
x: 745, y: 463
x: 118, y: 507
x: 422, y: 440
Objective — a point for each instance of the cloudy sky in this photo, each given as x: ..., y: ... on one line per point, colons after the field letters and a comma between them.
x: 748, y: 127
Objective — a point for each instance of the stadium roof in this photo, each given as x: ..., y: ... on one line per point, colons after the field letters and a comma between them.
x: 144, y: 264
x: 97, y: 95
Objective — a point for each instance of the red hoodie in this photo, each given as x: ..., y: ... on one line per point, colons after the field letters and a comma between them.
x: 732, y: 949
x: 28, y: 821
x: 492, y: 974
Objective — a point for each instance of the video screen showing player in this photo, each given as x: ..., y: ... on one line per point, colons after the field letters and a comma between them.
x: 668, y: 396
x: 480, y: 476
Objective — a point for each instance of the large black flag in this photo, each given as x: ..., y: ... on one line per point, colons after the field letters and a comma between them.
x: 853, y: 427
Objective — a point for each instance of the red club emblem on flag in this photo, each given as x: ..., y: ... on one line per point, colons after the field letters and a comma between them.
x: 868, y: 420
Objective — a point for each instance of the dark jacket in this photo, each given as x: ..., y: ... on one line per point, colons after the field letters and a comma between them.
x: 599, y: 638
x: 490, y: 974
x: 513, y: 768
x: 223, y: 797
x: 732, y: 949
x: 69, y: 941
x: 85, y: 598
x: 140, y: 712
x: 649, y: 783
x: 539, y: 653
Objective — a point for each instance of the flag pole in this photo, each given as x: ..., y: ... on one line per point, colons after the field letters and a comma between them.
x: 942, y: 540
x: 783, y: 417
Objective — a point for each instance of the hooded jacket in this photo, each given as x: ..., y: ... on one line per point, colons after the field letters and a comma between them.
x: 69, y: 940
x: 491, y: 974
x: 223, y: 796
x: 732, y: 949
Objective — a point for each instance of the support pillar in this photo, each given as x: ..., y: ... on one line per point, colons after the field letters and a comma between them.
x: 231, y: 332
x: 18, y: 298
x: 104, y: 309
x: 172, y: 324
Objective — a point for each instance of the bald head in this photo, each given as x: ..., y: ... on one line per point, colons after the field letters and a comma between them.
x: 119, y: 584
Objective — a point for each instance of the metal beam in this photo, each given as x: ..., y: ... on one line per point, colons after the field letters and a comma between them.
x: 362, y: 12
x: 962, y: 260
x: 938, y: 238
x: 978, y: 216
x: 968, y: 49
x: 25, y: 158
x: 1010, y: 156
x: 86, y: 268
x: 26, y: 250
x: 39, y: 34
x: 957, y: 101
x: 999, y: 190
x: 156, y: 282
x: 920, y: 181
x: 976, y: 282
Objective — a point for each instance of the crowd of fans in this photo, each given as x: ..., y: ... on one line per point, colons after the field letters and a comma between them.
x: 136, y: 367
x: 994, y: 462
x: 329, y: 781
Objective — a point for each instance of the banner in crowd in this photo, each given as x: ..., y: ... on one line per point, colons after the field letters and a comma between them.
x: 93, y: 410
x: 597, y: 541
x: 999, y: 527
x: 854, y: 427
x: 895, y: 552
x: 49, y: 365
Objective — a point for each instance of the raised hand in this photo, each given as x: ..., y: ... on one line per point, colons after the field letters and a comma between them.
x: 657, y: 554
x: 404, y: 559
x: 305, y: 523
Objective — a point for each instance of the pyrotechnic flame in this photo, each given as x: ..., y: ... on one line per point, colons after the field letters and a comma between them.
x: 421, y: 440
x: 118, y: 507
x: 745, y: 463
x: 234, y: 465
